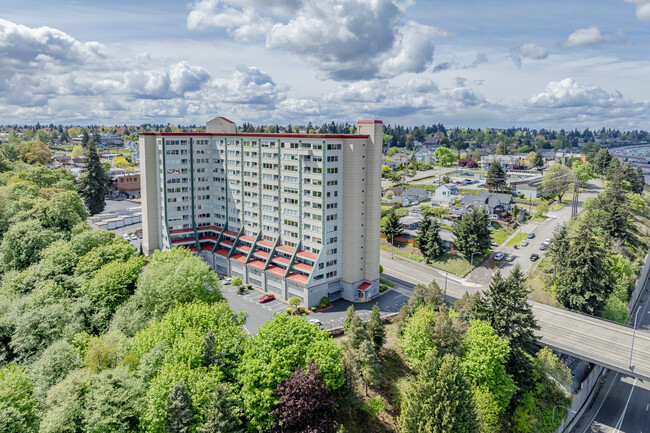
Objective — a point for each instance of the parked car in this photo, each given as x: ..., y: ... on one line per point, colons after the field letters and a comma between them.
x: 499, y: 256
x: 125, y: 236
x: 482, y: 185
x: 134, y: 237
x: 139, y: 234
x: 534, y: 257
x: 227, y: 280
x: 267, y: 298
x: 510, y: 257
x: 531, y: 235
x: 493, y: 244
x: 524, y: 243
x: 543, y: 246
x: 317, y: 322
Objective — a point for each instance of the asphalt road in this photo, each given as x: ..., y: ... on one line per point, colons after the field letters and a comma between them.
x: 623, y: 402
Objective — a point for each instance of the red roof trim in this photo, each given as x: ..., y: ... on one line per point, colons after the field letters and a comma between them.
x: 285, y: 248
x: 275, y: 270
x: 282, y: 260
x: 244, y: 248
x: 222, y: 252
x: 208, y: 238
x: 238, y: 257
x: 364, y: 286
x: 261, y: 253
x: 366, y: 122
x: 206, y: 247
x: 247, y: 238
x: 258, y: 264
x: 230, y: 233
x: 227, y: 120
x: 226, y: 242
x: 241, y: 134
x: 303, y: 267
x: 307, y: 255
x: 176, y: 231
x: 206, y: 228
x: 265, y: 243
x: 300, y: 279
x: 180, y: 241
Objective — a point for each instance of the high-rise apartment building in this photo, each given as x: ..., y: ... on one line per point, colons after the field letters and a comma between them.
x: 293, y: 214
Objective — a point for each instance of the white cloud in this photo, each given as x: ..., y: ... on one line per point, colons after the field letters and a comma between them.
x: 642, y: 10
x: 591, y: 37
x: 569, y: 93
x: 528, y: 50
x: 355, y: 39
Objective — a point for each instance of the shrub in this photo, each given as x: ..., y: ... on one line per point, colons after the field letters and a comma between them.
x: 325, y: 301
x: 236, y: 282
x: 302, y: 310
x: 289, y: 310
x: 241, y: 289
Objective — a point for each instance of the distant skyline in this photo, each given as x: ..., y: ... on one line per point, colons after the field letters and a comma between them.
x: 551, y: 64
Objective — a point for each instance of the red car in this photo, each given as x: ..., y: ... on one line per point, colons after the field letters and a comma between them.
x: 266, y: 298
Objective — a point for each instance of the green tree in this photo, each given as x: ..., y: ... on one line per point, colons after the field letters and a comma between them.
x: 538, y: 160
x: 496, y: 177
x: 505, y: 307
x: 426, y: 295
x: 18, y: 406
x: 107, y: 251
x: 601, y: 161
x: 349, y: 314
x: 281, y: 345
x: 65, y: 404
x: 558, y: 178
x: 445, y: 156
x: 472, y: 232
x: 368, y: 362
x: 439, y: 400
x: 428, y: 238
x: 614, y: 214
x: 63, y: 211
x: 392, y: 228
x: 221, y: 415
x: 582, y: 282
x: 179, y: 409
x: 93, y: 183
x: 22, y: 244
x: 376, y: 328
x: 484, y: 357
x: 114, y: 402
x: 582, y: 171
x: 54, y: 364
x: 558, y: 249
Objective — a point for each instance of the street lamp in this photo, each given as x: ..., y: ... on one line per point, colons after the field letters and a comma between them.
x: 558, y: 405
x: 392, y: 246
x: 633, y: 334
x: 471, y: 263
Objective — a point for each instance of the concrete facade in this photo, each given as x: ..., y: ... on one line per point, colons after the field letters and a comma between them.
x: 294, y: 214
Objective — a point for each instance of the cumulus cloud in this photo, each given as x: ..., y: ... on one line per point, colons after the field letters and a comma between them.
x: 356, y: 39
x: 478, y: 60
x: 529, y: 51
x: 592, y: 37
x: 569, y: 93
x: 642, y: 9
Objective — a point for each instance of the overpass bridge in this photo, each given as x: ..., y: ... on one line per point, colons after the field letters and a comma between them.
x: 594, y: 340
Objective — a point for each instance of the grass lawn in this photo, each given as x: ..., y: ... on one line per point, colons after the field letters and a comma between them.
x: 539, y: 218
x: 565, y: 201
x: 457, y: 264
x: 386, y: 208
x: 402, y: 252
x: 499, y: 237
x: 518, y: 238
x: 386, y: 283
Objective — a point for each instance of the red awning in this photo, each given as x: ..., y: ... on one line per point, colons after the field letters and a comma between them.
x: 364, y: 286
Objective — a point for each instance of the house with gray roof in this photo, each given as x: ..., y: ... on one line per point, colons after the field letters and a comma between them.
x: 495, y: 204
x: 415, y: 196
x: 446, y: 192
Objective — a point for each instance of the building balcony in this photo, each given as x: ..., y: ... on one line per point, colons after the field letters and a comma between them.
x: 307, y: 255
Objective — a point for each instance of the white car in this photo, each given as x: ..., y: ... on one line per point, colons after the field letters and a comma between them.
x: 134, y: 237
x: 227, y: 280
x: 125, y: 236
x: 524, y: 243
x: 316, y: 322
x: 499, y: 256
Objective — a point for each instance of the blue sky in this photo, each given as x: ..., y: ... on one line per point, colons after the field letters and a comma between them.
x: 552, y: 64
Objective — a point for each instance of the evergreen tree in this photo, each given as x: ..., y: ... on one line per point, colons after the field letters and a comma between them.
x: 472, y: 232
x: 210, y: 354
x: 94, y: 182
x: 601, y: 161
x: 446, y: 333
x: 430, y: 295
x: 421, y: 238
x: 376, y: 328
x: 392, y: 228
x: 538, y: 161
x: 638, y: 184
x: 221, y: 415
x: 368, y: 364
x: 85, y: 138
x: 582, y: 282
x: 433, y: 244
x: 505, y: 306
x: 304, y: 405
x: 349, y: 314
x: 440, y: 400
x: 356, y: 333
x: 558, y: 250
x: 615, y: 215
x: 179, y: 409
x: 496, y: 178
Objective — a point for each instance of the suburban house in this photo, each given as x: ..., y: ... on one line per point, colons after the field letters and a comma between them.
x: 446, y: 192
x: 400, y: 158
x: 507, y: 161
x: 530, y: 186
x: 415, y: 196
x: 397, y: 193
x: 410, y: 225
x: 495, y: 204
x: 425, y: 156
x: 563, y: 157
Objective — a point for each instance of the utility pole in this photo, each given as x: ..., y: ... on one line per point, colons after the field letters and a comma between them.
x: 446, y: 273
x: 392, y: 246
x: 633, y: 335
x: 574, y: 202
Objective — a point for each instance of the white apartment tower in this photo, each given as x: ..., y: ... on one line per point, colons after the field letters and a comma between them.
x: 293, y: 214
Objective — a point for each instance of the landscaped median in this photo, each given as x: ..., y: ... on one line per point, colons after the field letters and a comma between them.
x: 452, y: 263
x: 517, y: 239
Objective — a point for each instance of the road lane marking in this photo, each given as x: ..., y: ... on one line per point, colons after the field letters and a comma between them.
x: 619, y: 424
x: 601, y: 404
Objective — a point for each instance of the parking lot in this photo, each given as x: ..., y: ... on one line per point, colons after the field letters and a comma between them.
x: 389, y: 303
